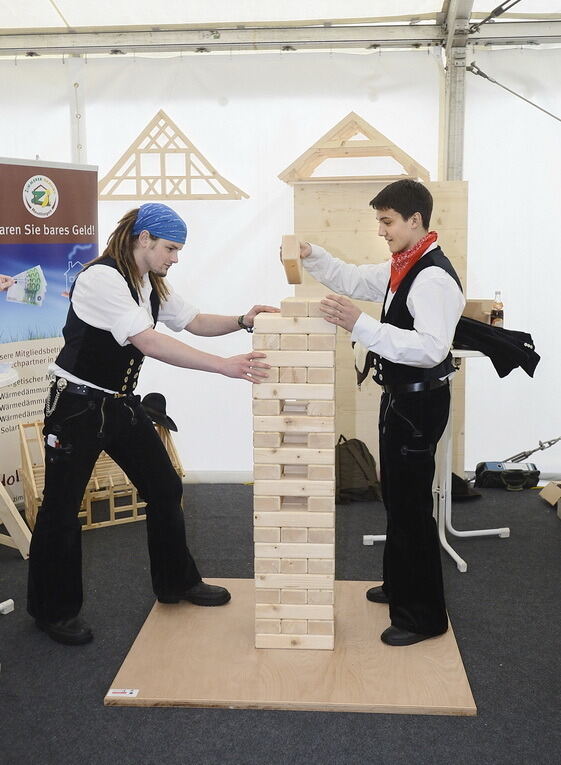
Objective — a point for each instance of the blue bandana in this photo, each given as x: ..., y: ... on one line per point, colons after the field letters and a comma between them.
x: 161, y: 221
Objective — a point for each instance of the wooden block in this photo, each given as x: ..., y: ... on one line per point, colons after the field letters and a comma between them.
x: 319, y: 535
x: 291, y: 406
x: 304, y: 358
x: 293, y: 375
x: 318, y: 441
x: 272, y: 323
x: 316, y: 627
x: 286, y: 455
x: 288, y: 423
x: 314, y: 308
x: 293, y: 534
x: 270, y: 407
x: 267, y: 566
x: 321, y: 473
x: 267, y: 505
x: 477, y: 309
x: 294, y: 306
x: 321, y: 342
x: 268, y: 597
x: 291, y: 260
x: 317, y: 375
x: 273, y: 374
x: 292, y: 519
x: 267, y: 342
x: 267, y: 533
x: 294, y: 626
x: 294, y: 597
x: 320, y: 566
x: 297, y: 504
x: 267, y: 626
x: 296, y: 581
x: 293, y: 471
x: 294, y: 566
x: 287, y: 390
x: 291, y: 439
x: 288, y: 611
x: 267, y: 440
x: 321, y: 504
x: 307, y: 642
x: 319, y: 597
x: 321, y: 409
x: 285, y: 550
x: 293, y: 342
x: 288, y: 488
x: 266, y: 472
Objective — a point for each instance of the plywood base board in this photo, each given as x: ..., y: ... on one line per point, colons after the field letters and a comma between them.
x: 190, y: 656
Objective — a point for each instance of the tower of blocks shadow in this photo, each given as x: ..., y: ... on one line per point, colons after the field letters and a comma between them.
x: 294, y: 478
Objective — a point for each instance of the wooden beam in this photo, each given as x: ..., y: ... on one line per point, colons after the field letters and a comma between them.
x: 291, y: 260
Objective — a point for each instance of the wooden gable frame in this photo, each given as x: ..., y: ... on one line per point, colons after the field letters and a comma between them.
x: 340, y: 142
x: 177, y: 169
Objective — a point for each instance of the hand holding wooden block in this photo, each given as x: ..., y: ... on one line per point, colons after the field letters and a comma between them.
x: 290, y: 256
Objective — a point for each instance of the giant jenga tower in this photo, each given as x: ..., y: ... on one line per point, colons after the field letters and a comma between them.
x: 294, y: 478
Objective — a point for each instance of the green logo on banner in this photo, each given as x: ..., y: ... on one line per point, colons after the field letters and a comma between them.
x: 40, y: 196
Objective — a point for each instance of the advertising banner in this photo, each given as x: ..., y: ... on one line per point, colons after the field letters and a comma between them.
x: 48, y: 231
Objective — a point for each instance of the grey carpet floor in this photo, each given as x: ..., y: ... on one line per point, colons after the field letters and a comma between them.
x: 505, y: 611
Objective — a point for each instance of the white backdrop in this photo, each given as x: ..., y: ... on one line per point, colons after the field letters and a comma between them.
x: 251, y: 116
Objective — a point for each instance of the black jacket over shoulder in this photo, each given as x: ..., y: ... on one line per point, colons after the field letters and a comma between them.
x: 95, y: 356
x: 507, y: 348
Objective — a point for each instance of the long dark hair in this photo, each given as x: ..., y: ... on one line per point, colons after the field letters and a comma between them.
x: 120, y: 246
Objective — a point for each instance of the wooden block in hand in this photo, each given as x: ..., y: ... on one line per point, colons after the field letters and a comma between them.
x: 290, y: 256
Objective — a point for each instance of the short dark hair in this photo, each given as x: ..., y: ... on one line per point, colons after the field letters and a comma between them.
x: 405, y: 197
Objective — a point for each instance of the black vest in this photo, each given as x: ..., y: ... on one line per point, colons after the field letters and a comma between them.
x: 95, y: 356
x: 389, y: 373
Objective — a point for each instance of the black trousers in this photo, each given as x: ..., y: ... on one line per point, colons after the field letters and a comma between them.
x: 76, y: 432
x: 410, y: 427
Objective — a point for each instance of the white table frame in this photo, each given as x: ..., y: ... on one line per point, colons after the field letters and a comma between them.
x: 442, y: 489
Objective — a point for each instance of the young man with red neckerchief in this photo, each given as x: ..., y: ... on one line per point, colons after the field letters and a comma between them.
x: 422, y: 304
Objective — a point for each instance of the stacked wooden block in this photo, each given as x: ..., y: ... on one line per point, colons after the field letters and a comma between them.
x: 294, y: 478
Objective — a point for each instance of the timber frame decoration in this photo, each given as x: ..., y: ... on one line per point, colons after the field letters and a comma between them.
x: 162, y: 163
x: 340, y: 142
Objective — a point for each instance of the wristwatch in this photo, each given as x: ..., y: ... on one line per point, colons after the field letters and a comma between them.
x: 241, y: 325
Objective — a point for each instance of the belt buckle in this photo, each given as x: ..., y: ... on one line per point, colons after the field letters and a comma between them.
x: 61, y: 384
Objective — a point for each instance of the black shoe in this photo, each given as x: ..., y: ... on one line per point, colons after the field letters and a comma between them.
x: 73, y: 631
x: 396, y: 636
x: 201, y: 594
x: 377, y: 595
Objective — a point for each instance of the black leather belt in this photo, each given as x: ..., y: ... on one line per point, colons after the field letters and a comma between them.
x: 62, y: 384
x: 415, y: 387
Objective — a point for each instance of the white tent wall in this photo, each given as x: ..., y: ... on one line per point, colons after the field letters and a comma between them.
x: 513, y: 165
x: 251, y: 116
x: 35, y: 116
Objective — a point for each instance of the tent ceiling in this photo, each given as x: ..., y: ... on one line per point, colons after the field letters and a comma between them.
x: 72, y: 26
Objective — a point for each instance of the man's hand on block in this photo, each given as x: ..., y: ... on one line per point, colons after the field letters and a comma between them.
x: 290, y: 256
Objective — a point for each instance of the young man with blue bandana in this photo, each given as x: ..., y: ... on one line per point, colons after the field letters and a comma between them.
x: 114, y: 306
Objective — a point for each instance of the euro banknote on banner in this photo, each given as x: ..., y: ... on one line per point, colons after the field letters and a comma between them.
x: 29, y: 288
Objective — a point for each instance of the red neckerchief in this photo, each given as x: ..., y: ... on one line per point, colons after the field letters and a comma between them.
x: 403, y: 261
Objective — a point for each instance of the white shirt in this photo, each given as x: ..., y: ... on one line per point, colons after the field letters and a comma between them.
x: 102, y: 299
x: 434, y: 301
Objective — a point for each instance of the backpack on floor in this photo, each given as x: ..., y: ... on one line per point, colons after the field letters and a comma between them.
x: 356, y: 479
